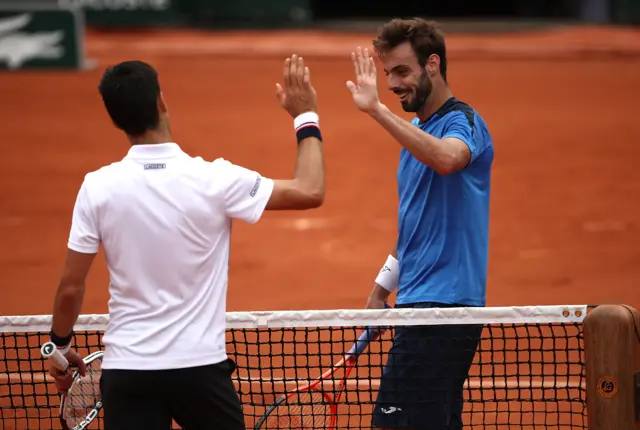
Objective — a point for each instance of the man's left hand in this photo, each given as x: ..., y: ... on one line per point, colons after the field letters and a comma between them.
x: 63, y: 380
x: 365, y: 88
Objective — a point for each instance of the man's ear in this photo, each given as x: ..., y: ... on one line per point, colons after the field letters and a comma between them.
x: 162, y: 105
x: 433, y: 64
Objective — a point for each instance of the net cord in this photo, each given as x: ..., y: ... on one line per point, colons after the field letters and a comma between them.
x: 341, y: 318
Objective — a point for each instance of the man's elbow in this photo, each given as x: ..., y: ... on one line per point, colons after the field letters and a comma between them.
x: 314, y: 199
x: 450, y: 164
x: 444, y: 166
x: 311, y: 193
x: 69, y: 293
x: 444, y: 169
x: 294, y: 195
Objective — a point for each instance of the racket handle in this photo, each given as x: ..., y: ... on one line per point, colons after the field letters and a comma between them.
x: 367, y: 336
x: 362, y: 342
x: 50, y: 350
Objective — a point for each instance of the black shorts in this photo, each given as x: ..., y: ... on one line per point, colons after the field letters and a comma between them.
x: 197, y: 398
x: 423, y: 380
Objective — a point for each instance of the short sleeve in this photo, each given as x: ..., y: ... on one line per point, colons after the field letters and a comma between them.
x: 84, y: 236
x: 247, y: 193
x: 461, y: 127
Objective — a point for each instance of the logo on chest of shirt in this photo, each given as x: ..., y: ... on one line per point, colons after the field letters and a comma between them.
x: 155, y: 166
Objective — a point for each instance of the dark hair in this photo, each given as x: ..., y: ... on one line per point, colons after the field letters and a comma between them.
x: 424, y: 36
x: 130, y: 93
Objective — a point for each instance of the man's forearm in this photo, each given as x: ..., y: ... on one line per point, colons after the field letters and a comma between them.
x: 310, y: 171
x: 378, y: 290
x: 66, y: 309
x: 426, y: 148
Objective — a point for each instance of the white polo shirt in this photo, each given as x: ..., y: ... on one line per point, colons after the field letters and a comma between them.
x: 164, y: 221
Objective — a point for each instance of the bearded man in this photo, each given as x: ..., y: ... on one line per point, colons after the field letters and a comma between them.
x: 440, y: 257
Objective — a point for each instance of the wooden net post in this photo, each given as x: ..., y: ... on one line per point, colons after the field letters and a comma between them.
x: 612, y: 360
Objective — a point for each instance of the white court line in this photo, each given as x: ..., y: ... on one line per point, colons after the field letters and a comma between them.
x: 487, y: 383
x: 307, y: 223
x: 304, y: 224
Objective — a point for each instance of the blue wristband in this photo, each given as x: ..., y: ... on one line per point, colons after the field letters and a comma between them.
x: 59, y: 341
x: 309, y: 130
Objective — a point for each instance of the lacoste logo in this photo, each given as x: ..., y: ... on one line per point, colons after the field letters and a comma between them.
x: 255, y: 187
x: 16, y: 48
x: 155, y: 166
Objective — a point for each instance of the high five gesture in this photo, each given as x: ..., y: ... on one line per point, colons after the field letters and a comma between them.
x: 365, y: 89
x: 296, y: 94
x: 298, y: 97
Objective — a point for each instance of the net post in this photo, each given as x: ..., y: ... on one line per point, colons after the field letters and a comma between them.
x: 612, y: 358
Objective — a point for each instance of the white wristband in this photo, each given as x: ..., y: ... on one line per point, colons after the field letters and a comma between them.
x: 63, y: 350
x: 305, y: 119
x: 388, y: 276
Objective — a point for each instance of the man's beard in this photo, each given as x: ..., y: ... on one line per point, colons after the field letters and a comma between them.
x: 419, y: 95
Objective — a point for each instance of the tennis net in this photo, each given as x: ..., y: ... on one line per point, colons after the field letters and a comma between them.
x: 527, y: 371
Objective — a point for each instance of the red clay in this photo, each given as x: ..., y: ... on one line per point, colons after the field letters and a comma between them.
x: 564, y: 220
x: 565, y: 210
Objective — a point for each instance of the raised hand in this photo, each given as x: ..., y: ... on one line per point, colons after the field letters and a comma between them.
x: 365, y: 88
x: 296, y: 94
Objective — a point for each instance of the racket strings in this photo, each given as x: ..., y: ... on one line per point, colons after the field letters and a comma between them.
x: 83, y: 394
x: 306, y: 410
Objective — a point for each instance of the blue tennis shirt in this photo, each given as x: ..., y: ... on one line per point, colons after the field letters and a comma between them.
x: 443, y: 221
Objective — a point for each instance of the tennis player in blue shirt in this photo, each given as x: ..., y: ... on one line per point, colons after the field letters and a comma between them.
x: 440, y: 259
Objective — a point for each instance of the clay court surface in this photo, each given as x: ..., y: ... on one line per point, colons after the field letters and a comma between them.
x: 562, y: 108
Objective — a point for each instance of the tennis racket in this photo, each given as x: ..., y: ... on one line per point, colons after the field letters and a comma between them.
x: 82, y: 403
x: 310, y: 406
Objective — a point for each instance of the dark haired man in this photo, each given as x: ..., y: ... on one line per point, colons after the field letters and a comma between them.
x: 163, y: 219
x: 441, y: 253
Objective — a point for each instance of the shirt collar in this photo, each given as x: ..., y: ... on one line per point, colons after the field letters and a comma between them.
x: 154, y: 150
x: 446, y: 107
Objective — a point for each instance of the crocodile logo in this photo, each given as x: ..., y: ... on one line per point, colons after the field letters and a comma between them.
x: 18, y: 46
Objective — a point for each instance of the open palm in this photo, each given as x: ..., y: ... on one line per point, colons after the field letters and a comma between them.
x: 365, y: 88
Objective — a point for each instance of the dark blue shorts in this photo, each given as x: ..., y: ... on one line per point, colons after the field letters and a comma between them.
x: 422, y: 382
